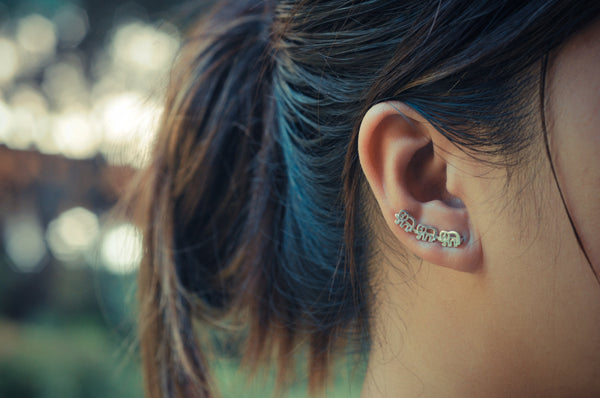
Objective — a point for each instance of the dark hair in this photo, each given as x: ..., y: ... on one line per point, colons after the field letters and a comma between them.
x: 252, y: 207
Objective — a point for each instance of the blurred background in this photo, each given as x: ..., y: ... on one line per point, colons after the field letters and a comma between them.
x: 80, y: 94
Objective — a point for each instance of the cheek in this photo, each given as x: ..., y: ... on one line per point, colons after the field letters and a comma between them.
x: 582, y: 194
x: 578, y: 168
x: 575, y: 132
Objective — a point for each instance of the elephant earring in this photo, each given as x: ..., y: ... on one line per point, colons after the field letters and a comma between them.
x: 426, y: 233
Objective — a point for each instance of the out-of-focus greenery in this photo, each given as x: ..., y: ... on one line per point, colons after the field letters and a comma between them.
x: 233, y: 383
x: 45, y: 360
x: 73, y: 339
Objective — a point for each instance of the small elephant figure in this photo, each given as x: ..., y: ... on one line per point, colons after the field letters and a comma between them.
x: 425, y: 233
x: 449, y: 238
x: 404, y: 220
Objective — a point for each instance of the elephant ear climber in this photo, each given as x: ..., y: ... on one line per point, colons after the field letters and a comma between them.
x: 450, y: 238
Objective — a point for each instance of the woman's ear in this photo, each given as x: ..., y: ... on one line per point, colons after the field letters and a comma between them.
x: 406, y: 162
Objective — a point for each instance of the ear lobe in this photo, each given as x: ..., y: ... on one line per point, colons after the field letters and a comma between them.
x: 404, y: 159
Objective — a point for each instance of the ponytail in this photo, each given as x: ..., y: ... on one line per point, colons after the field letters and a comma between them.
x: 211, y: 197
x: 238, y: 225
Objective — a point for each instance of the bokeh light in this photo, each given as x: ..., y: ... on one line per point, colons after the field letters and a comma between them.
x: 24, y: 242
x: 65, y: 82
x: 74, y: 134
x: 79, y: 106
x: 5, y: 122
x: 10, y: 60
x: 129, y: 122
x: 121, y: 249
x: 72, y: 234
x: 24, y: 125
x: 140, y: 47
x: 36, y: 34
x: 72, y: 25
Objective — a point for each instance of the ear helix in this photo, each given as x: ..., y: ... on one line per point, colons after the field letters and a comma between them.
x: 426, y: 233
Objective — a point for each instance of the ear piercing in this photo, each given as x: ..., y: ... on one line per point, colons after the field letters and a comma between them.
x: 426, y: 233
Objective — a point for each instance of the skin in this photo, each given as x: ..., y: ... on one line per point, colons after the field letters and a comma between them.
x: 574, y: 110
x: 515, y: 310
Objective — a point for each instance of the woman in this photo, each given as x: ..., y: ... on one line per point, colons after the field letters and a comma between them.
x: 416, y: 178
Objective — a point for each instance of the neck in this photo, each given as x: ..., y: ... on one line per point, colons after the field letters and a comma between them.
x: 428, y: 343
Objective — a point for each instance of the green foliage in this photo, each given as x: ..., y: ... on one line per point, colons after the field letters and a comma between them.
x: 79, y: 360
x: 233, y: 382
x: 85, y: 361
